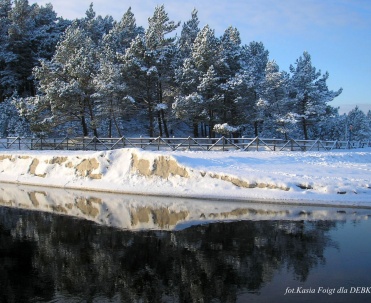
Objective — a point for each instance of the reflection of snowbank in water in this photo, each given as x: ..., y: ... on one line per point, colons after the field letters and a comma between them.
x: 145, y: 212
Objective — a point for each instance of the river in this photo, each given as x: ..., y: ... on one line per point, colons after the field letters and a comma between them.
x: 64, y: 246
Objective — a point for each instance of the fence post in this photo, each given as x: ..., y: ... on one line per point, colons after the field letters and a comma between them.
x: 19, y: 143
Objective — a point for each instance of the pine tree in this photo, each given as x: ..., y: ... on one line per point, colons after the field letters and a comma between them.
x: 110, y: 86
x: 212, y: 98
x: 119, y: 38
x: 19, y: 52
x: 48, y: 30
x: 188, y: 35
x: 188, y: 103
x: 111, y: 96
x: 65, y: 85
x: 95, y: 26
x: 309, y: 93
x: 5, y: 9
x: 331, y: 126
x: 358, y: 125
x: 162, y: 50
x: 66, y: 82
x: 205, y: 58
x: 273, y: 102
x: 149, y: 68
x: 254, y: 61
x: 11, y: 124
x: 27, y: 34
x: 229, y: 74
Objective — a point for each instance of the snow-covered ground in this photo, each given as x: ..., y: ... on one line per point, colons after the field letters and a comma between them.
x: 341, y: 177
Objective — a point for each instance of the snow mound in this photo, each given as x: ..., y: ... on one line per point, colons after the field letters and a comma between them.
x: 337, y: 178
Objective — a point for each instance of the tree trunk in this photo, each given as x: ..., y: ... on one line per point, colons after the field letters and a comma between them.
x: 150, y: 117
x: 84, y: 126
x: 159, y: 122
x: 305, y: 128
x: 117, y: 126
x: 94, y: 127
x: 150, y: 110
x: 164, y: 123
x: 110, y: 127
x: 195, y: 129
x: 256, y: 129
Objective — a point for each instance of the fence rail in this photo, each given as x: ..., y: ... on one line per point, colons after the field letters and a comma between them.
x: 172, y: 144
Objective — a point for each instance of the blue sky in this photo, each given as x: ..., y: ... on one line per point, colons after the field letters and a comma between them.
x: 336, y: 33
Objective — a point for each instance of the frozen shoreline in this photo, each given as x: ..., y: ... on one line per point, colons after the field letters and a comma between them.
x: 138, y: 212
x: 336, y: 178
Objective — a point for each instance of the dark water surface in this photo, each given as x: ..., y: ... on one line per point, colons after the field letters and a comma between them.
x: 54, y: 258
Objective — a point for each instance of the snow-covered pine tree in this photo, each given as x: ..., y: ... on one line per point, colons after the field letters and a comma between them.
x: 138, y: 77
x: 95, y: 26
x: 331, y: 126
x: 65, y: 86
x: 162, y: 50
x: 205, y: 59
x: 48, y: 30
x: 119, y: 38
x: 209, y: 89
x: 230, y: 77
x: 358, y: 126
x: 309, y: 93
x: 254, y: 61
x: 28, y: 34
x: 111, y: 91
x: 66, y: 82
x: 111, y: 97
x: 188, y: 104
x: 18, y: 51
x: 5, y: 9
x: 272, y: 105
x: 149, y: 68
x: 11, y: 124
x: 188, y: 35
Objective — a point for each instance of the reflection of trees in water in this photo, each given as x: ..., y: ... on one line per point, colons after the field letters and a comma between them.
x: 41, y: 253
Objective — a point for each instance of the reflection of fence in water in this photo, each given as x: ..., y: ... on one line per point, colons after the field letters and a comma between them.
x: 172, y: 144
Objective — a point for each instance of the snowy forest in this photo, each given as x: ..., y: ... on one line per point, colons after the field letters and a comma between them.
x: 96, y: 76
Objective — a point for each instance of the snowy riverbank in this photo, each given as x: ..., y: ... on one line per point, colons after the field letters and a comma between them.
x: 330, y: 178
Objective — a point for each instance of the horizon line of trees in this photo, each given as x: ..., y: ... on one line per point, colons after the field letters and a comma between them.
x: 95, y: 76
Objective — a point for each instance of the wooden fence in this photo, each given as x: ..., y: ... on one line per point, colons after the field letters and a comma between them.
x: 172, y: 144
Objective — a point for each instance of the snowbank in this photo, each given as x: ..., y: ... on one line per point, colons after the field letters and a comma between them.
x: 336, y: 178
